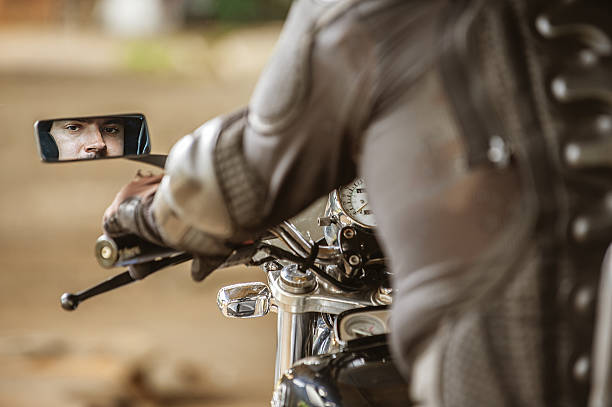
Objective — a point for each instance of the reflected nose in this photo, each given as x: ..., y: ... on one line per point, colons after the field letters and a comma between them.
x: 96, y: 142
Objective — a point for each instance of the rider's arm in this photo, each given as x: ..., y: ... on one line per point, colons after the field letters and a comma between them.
x: 237, y: 175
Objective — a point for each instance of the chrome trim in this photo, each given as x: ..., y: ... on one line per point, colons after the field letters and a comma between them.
x: 383, y: 296
x: 339, y: 218
x: 323, y: 336
x: 321, y: 299
x: 279, y: 396
x: 245, y: 300
x: 294, y: 340
x: 297, y: 281
x: 296, y: 241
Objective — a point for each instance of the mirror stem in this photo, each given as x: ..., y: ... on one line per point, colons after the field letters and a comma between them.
x: 157, y: 160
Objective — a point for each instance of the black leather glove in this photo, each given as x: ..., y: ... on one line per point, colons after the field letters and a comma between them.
x: 131, y: 213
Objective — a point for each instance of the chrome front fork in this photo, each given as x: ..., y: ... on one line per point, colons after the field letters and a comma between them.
x: 294, y: 341
x: 295, y: 330
x: 298, y: 298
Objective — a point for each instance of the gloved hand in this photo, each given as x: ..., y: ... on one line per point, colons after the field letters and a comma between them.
x: 131, y: 213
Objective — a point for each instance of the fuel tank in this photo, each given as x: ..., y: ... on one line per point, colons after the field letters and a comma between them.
x: 363, y: 375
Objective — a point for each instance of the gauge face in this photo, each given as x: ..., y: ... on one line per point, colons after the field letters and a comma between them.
x: 361, y: 323
x: 354, y: 201
x: 360, y: 326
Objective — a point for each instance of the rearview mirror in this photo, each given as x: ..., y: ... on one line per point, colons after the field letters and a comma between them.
x: 86, y: 138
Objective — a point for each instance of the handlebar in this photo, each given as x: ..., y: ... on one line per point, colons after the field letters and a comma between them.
x: 127, y: 250
x: 130, y: 249
x: 144, y: 258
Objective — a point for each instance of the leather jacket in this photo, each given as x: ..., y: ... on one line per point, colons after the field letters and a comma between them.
x: 362, y: 88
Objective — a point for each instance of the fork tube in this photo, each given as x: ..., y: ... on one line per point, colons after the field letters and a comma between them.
x: 294, y: 342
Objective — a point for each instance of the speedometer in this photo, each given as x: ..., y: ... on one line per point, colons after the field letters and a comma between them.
x: 359, y: 323
x: 355, y: 204
x: 364, y: 325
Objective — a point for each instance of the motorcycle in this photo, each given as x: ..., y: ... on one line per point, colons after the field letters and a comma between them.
x: 331, y: 296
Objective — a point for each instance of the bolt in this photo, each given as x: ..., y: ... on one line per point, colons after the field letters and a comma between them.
x: 572, y: 153
x: 581, y: 228
x: 543, y: 26
x: 587, y: 57
x: 106, y: 252
x: 583, y: 299
x: 604, y: 123
x: 297, y: 281
x: 384, y: 296
x: 498, y: 151
x: 354, y: 260
x: 271, y: 266
x: 348, y: 233
x: 559, y: 88
x: 582, y: 368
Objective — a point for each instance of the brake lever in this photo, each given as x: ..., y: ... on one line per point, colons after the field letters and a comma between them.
x: 71, y: 301
x: 242, y: 255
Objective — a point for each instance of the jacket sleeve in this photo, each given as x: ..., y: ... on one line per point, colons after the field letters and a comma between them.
x: 298, y: 139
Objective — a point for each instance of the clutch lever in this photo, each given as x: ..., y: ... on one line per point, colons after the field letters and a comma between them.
x: 70, y: 301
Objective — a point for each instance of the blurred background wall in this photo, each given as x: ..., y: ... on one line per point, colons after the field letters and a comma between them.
x: 187, y: 11
x: 162, y: 341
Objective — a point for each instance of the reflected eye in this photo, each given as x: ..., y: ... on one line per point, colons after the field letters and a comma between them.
x: 72, y: 127
x: 110, y: 130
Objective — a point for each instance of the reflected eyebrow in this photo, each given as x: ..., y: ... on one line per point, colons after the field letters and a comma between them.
x: 74, y: 121
x: 113, y: 121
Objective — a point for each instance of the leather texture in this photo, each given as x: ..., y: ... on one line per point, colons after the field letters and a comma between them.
x: 537, y: 73
x: 189, y: 195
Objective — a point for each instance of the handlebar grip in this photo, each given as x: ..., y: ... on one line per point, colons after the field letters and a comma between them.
x: 129, y: 249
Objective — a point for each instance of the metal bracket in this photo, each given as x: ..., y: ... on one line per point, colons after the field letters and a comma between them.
x: 321, y: 299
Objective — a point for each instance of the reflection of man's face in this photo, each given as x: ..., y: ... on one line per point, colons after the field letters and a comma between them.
x: 88, y: 138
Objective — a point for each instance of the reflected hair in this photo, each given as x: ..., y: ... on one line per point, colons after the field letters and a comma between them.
x: 48, y: 146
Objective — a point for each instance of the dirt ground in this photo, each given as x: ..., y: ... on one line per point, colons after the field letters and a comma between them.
x: 158, y: 342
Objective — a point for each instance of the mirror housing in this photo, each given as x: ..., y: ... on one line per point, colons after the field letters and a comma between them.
x: 244, y: 300
x: 92, y: 137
